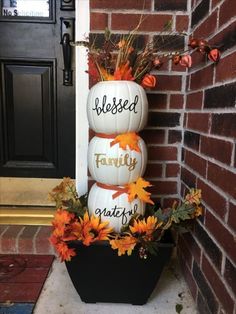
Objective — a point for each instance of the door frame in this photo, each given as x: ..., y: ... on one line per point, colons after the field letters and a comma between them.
x: 82, y: 29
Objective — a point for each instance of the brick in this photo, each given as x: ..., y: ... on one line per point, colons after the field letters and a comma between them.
x: 206, y: 28
x: 227, y: 11
x: 186, y: 253
x: 230, y: 274
x: 232, y: 216
x: 176, y: 101
x: 196, y: 162
x: 198, y: 121
x: 157, y: 101
x: 153, y: 136
x: 222, y: 178
x: 168, y: 42
x: 153, y: 171
x: 222, y: 235
x: 169, y: 82
x: 163, y: 119
x: 223, y: 96
x: 192, y: 139
x: 25, y: 241
x: 188, y: 178
x: 164, y: 153
x: 9, y: 239
x: 98, y: 39
x: 188, y: 277
x: 170, y: 5
x: 202, y: 305
x: 120, y: 4
x: 182, y: 22
x: 209, y: 246
x: 202, y: 78
x: 217, y: 149
x: 225, y: 39
x: 205, y: 289
x: 194, y: 100
x: 174, y: 136
x: 168, y: 201
x: 42, y: 245
x: 213, y: 199
x: 172, y: 170
x: 98, y: 21
x: 217, y: 286
x: 163, y: 187
x: 192, y: 246
x: 215, y: 3
x: 224, y: 124
x: 150, y: 23
x: 200, y: 12
x: 226, y: 68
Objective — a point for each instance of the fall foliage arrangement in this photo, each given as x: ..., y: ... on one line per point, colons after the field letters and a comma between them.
x: 118, y: 58
x: 72, y: 221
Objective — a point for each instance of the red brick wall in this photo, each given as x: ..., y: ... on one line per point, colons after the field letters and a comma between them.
x: 208, y: 255
x: 163, y: 134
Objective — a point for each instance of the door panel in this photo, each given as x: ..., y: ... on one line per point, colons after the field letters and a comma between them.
x: 28, y: 112
x: 37, y: 112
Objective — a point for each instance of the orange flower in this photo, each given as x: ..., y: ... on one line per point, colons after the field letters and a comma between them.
x: 105, y: 75
x: 136, y: 189
x: 123, y: 72
x: 198, y: 211
x: 143, y: 226
x: 90, y: 229
x: 62, y: 217
x: 64, y: 252
x: 129, y: 139
x: 124, y: 245
x: 121, y: 43
x: 149, y: 81
x: 194, y: 197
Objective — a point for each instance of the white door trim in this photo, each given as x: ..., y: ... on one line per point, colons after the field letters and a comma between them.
x: 82, y: 29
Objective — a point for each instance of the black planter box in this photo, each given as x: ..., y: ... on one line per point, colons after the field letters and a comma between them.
x: 100, y: 275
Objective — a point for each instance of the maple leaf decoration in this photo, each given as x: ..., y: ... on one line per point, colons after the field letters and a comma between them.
x: 129, y: 139
x: 136, y: 189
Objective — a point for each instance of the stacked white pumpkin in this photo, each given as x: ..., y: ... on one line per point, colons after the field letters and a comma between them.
x: 114, y: 108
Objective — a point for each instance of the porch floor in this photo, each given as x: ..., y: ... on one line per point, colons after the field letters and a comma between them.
x: 59, y: 296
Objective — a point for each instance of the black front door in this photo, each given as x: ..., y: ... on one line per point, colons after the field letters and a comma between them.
x: 37, y: 106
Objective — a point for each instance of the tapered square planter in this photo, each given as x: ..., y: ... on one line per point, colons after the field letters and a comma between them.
x: 100, y: 275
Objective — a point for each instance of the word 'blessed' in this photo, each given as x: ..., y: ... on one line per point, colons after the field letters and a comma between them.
x: 116, y: 106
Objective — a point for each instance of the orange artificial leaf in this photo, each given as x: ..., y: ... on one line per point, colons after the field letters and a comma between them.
x: 105, y: 75
x: 136, y: 189
x: 123, y: 72
x: 124, y: 245
x: 194, y: 197
x: 129, y: 139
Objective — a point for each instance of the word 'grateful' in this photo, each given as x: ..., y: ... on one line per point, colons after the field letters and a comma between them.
x: 117, y: 212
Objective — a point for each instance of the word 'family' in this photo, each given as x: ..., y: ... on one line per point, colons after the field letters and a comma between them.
x: 121, y: 161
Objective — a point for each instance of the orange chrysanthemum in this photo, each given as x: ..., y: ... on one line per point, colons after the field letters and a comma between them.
x: 62, y: 217
x: 129, y: 140
x: 145, y: 227
x: 91, y: 229
x: 64, y: 252
x: 136, y: 189
x: 124, y: 245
